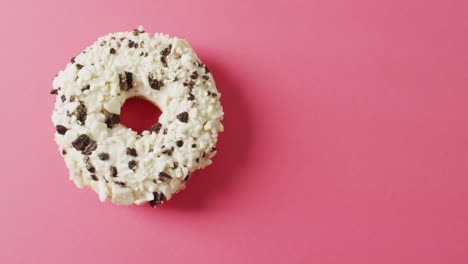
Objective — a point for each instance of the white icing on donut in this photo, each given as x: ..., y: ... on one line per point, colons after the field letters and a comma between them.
x: 92, y: 84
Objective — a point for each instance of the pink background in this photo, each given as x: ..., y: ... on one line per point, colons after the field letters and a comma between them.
x: 346, y: 135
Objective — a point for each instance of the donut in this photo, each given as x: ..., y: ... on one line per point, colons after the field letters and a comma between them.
x: 116, y: 162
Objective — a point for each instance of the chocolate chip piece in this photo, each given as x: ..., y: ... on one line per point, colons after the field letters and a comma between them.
x: 206, y: 68
x: 84, y: 144
x: 132, y: 152
x: 54, y: 91
x: 126, y: 81
x: 135, y: 45
x: 165, y: 131
x: 136, y: 32
x: 194, y: 75
x: 87, y: 87
x: 131, y: 43
x: 94, y: 177
x: 175, y: 166
x: 179, y: 143
x: 186, y: 178
x: 194, y: 145
x: 103, y: 156
x: 72, y: 60
x: 122, y: 184
x: 163, y: 60
x: 113, y: 171
x: 90, y: 148
x: 64, y: 152
x: 112, y: 120
x: 90, y: 168
x: 63, y: 98
x: 112, y: 51
x: 155, y: 128
x: 213, y: 149
x: 81, y: 113
x: 79, y: 66
x: 197, y: 160
x: 168, y: 151
x: 154, y: 83
x: 191, y: 97
x: 158, y: 199
x: 61, y: 129
x: 72, y: 98
x: 164, y: 177
x: 183, y: 117
x: 166, y: 51
x: 206, y: 77
x: 132, y: 164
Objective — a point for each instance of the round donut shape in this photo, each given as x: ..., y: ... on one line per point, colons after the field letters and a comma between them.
x: 115, y: 161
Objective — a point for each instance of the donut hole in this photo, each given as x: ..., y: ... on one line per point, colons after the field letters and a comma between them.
x: 139, y: 114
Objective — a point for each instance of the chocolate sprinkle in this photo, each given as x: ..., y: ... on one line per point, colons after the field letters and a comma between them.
x: 54, y: 91
x: 213, y: 149
x: 183, y: 117
x: 206, y: 77
x: 94, y: 177
x: 126, y: 81
x: 164, y: 177
x: 113, y: 171
x: 87, y: 87
x: 158, y: 199
x: 155, y: 128
x: 194, y: 145
x: 132, y: 152
x: 132, y: 164
x: 61, y: 129
x: 186, y: 178
x: 72, y: 60
x: 103, y: 156
x: 154, y: 83
x: 120, y: 183
x: 179, y: 143
x: 79, y: 66
x: 112, y: 51
x: 112, y: 120
x: 84, y: 144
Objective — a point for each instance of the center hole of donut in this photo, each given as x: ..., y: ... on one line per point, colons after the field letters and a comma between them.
x: 139, y: 114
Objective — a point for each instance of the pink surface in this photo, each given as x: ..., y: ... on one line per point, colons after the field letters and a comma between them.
x: 346, y: 135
